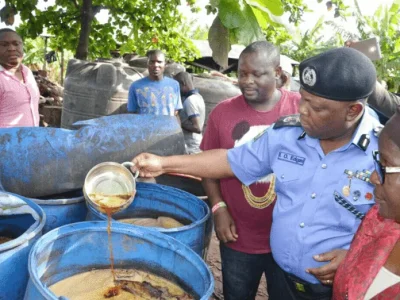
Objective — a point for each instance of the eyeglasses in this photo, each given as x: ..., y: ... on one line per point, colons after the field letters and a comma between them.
x: 4, y: 44
x: 381, y: 170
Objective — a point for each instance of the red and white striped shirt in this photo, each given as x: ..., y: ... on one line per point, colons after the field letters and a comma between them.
x: 19, y: 101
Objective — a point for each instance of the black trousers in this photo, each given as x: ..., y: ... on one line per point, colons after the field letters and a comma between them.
x: 290, y: 287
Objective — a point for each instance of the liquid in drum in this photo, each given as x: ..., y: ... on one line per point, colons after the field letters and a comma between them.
x: 163, y: 222
x: 4, y: 239
x: 134, y: 285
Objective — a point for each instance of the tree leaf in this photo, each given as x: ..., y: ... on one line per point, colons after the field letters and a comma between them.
x: 218, y: 38
x: 274, y: 6
x: 250, y: 31
x: 230, y: 13
x: 262, y: 18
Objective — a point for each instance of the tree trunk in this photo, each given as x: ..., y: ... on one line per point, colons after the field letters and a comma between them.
x: 86, y: 25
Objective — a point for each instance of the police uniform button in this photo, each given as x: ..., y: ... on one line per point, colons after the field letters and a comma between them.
x: 313, y: 195
x: 324, y: 166
x: 302, y: 225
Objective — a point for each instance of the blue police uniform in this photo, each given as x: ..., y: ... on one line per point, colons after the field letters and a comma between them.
x: 307, y: 220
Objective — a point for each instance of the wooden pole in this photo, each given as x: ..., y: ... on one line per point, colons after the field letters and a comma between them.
x: 62, y: 67
x: 45, y: 51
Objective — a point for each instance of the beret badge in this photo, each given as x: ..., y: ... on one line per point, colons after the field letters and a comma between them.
x: 309, y: 76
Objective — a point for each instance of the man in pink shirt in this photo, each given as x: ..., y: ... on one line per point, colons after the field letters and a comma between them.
x: 19, y: 93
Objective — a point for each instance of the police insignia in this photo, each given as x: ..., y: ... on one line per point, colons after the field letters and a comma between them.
x: 288, y: 121
x: 377, y: 130
x: 309, y: 76
x: 259, y: 135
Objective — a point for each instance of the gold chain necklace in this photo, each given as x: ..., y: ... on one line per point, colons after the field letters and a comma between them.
x: 263, y: 201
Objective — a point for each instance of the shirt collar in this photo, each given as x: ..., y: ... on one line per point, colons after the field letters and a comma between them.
x: 367, y: 124
x: 2, y: 69
x: 191, y: 92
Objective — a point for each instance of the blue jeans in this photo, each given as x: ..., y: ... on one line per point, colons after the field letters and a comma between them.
x: 241, y: 274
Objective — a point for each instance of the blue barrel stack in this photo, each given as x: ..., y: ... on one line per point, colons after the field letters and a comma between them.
x: 46, y: 168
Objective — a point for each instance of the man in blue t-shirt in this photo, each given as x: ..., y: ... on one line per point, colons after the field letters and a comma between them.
x: 155, y: 94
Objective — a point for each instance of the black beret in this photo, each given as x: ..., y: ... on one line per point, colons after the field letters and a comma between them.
x: 342, y: 74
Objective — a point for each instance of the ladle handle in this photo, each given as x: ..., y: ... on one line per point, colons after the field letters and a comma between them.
x: 128, y: 164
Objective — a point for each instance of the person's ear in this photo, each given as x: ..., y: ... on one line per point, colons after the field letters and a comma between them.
x: 278, y: 72
x: 284, y: 78
x: 354, y: 110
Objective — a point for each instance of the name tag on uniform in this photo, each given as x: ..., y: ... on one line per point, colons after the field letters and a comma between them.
x: 294, y: 159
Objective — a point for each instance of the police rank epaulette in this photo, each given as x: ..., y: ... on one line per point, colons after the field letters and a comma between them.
x: 377, y: 130
x: 288, y: 121
x: 363, y: 142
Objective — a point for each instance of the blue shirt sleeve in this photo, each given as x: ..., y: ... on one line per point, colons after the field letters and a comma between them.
x: 251, y: 161
x: 178, y: 104
x: 132, y: 101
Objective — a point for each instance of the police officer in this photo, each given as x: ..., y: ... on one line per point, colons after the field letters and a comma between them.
x: 322, y: 161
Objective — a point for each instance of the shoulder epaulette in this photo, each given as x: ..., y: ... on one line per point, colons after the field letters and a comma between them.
x: 288, y: 121
x: 363, y: 142
x: 377, y: 130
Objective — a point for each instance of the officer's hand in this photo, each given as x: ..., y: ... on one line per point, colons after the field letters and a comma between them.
x: 224, y: 226
x: 148, y: 165
x: 326, y: 273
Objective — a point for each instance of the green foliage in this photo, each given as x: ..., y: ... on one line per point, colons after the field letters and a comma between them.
x: 133, y: 25
x: 296, y: 9
x: 246, y: 21
x: 340, y: 7
x: 218, y: 38
x: 34, y: 57
x: 199, y: 33
x: 34, y: 51
x: 309, y: 44
x: 384, y: 24
x: 277, y: 34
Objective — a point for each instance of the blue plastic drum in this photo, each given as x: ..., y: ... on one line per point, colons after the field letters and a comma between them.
x: 81, y: 247
x: 25, y: 231
x: 158, y: 200
x: 63, y: 209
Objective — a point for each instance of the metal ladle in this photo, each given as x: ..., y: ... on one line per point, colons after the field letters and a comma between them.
x: 110, y: 180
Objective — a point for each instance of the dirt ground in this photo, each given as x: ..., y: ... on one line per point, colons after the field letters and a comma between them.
x: 214, y: 261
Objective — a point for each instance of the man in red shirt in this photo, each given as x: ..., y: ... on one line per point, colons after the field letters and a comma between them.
x: 243, y: 225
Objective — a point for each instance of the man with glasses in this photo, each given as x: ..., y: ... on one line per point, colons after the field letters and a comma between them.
x: 19, y: 93
x: 322, y: 161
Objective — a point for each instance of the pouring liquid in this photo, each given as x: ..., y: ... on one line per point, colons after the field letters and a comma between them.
x: 116, y: 289
x: 110, y: 204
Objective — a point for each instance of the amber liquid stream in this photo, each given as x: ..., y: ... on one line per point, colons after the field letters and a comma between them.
x: 116, y: 289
